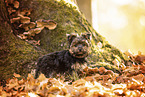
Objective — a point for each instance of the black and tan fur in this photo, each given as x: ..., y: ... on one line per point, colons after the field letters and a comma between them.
x: 63, y: 61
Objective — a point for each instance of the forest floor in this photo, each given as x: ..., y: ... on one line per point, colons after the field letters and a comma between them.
x: 99, y: 82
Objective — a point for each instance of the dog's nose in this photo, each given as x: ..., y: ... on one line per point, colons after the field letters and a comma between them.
x: 80, y: 47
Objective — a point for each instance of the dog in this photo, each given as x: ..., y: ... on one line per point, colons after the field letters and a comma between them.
x: 65, y: 60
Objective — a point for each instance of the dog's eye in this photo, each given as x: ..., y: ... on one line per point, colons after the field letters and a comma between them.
x: 76, y: 45
x: 83, y: 44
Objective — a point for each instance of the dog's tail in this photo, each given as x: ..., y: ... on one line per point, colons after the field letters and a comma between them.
x: 37, y: 72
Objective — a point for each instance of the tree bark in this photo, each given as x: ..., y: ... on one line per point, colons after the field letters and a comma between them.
x: 16, y: 55
x: 19, y: 56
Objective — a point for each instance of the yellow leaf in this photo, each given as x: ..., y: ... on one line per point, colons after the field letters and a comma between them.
x: 16, y: 75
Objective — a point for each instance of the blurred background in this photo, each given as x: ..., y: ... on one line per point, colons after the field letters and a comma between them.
x: 121, y: 22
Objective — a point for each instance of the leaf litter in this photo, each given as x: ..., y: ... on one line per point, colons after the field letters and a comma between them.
x: 98, y: 82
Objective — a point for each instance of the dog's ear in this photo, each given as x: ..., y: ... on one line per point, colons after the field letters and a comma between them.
x: 86, y: 36
x: 70, y: 37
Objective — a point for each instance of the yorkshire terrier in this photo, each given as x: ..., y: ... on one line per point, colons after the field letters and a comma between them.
x: 65, y: 60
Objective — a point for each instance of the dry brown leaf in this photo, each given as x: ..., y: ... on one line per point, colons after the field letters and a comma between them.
x: 89, y: 78
x: 139, y: 77
x: 103, y: 84
x: 16, y: 75
x: 134, y: 84
x: 41, y: 78
x: 140, y: 58
x: 120, y: 79
x: 79, y: 83
x: 53, y: 89
x: 102, y: 70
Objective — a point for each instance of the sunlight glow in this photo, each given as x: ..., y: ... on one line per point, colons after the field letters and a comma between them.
x: 122, y: 2
x: 94, y: 14
x: 72, y: 2
x: 117, y: 19
x: 32, y: 94
x: 142, y: 20
x: 121, y: 22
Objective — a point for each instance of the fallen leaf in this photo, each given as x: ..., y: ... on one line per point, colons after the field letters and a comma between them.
x: 16, y: 75
x: 140, y: 58
x: 102, y: 70
x: 139, y: 77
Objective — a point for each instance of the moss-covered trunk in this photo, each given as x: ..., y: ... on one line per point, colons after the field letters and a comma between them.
x: 18, y: 56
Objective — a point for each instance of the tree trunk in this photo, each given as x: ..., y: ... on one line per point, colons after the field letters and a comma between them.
x: 20, y: 56
x: 16, y: 55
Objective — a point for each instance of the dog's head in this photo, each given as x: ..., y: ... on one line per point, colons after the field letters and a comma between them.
x: 79, y: 46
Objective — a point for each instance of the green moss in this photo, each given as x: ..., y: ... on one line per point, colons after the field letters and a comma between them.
x: 20, y: 57
x: 70, y: 20
x: 16, y: 55
x: 107, y: 66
